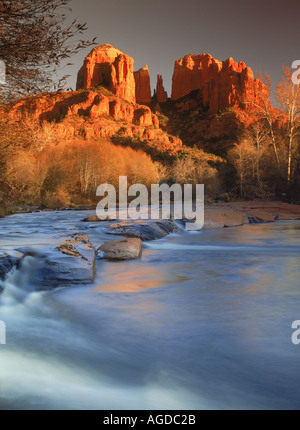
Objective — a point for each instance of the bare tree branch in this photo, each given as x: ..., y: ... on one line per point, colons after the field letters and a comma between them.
x: 34, y: 39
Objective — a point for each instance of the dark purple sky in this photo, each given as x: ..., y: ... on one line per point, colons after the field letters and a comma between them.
x: 264, y: 34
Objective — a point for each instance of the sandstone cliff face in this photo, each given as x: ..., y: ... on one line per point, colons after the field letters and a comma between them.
x: 104, y: 105
x: 96, y: 113
x: 161, y: 94
x: 142, y: 85
x: 109, y: 67
x: 223, y: 84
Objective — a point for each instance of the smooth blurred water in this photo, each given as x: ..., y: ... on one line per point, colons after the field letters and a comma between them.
x: 201, y: 321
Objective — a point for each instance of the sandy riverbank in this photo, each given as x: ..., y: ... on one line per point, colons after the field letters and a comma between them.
x: 238, y: 213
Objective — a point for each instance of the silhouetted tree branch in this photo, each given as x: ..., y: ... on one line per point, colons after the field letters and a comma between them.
x: 35, y: 37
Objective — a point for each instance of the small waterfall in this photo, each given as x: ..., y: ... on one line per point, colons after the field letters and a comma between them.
x: 21, y: 281
x: 180, y: 224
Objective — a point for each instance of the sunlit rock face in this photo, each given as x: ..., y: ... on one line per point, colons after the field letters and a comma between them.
x: 109, y: 67
x: 223, y: 84
x: 142, y: 85
x: 91, y: 114
x: 161, y: 94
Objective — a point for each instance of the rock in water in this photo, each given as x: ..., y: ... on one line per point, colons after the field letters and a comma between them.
x: 216, y: 217
x: 7, y: 263
x: 144, y: 230
x: 73, y: 262
x: 94, y: 218
x: 124, y: 249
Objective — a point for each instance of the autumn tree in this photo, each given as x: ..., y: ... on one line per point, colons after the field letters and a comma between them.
x: 243, y: 156
x: 256, y: 137
x: 35, y: 36
x: 288, y: 97
x: 190, y: 171
x: 264, y: 112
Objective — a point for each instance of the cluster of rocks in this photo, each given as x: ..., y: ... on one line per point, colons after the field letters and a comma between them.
x: 73, y: 262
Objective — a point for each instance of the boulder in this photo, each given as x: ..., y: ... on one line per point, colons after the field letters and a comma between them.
x: 72, y: 262
x: 144, y: 230
x: 142, y: 85
x: 124, y: 249
x: 7, y: 263
x: 109, y: 67
x: 216, y: 217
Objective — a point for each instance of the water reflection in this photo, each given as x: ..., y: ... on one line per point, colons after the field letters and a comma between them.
x: 200, y: 321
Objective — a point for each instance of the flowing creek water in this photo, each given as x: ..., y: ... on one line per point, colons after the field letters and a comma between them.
x: 201, y: 321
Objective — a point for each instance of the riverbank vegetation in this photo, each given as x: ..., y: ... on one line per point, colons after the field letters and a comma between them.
x: 38, y: 169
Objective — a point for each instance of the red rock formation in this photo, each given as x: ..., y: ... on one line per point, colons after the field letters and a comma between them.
x: 142, y: 85
x: 109, y: 67
x: 223, y: 84
x: 143, y: 116
x: 161, y: 94
x: 92, y: 114
x: 121, y: 111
